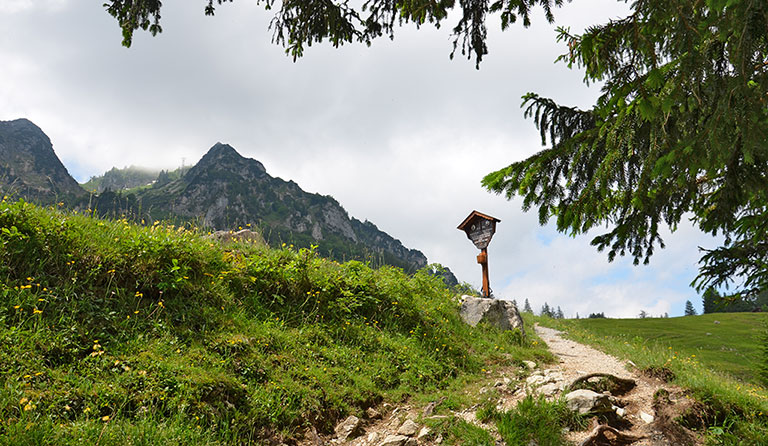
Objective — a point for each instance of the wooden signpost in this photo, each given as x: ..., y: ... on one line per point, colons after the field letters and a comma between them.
x: 480, y: 229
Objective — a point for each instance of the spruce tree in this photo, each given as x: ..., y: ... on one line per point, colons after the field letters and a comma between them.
x: 545, y: 310
x: 709, y: 300
x: 559, y: 313
x: 680, y: 129
x: 689, y: 310
x: 527, y: 306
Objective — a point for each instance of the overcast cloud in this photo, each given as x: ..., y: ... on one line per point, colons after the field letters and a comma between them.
x: 398, y: 133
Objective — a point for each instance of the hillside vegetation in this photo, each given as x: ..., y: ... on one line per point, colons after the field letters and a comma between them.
x: 117, y: 334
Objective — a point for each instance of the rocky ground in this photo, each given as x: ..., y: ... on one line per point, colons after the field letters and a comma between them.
x: 626, y: 406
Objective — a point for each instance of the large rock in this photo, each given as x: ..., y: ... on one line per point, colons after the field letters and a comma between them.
x: 409, y: 428
x: 498, y: 313
x: 586, y: 401
x: 348, y: 428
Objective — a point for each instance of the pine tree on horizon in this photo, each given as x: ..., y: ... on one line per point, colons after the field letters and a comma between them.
x: 527, y: 308
x: 689, y: 310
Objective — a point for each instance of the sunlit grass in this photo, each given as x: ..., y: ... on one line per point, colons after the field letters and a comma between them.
x: 160, y: 335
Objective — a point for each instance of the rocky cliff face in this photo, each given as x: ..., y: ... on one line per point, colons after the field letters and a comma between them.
x: 29, y: 168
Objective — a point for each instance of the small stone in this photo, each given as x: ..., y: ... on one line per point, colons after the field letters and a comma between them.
x: 347, y: 428
x: 373, y: 436
x: 507, y: 380
x: 372, y: 413
x: 394, y: 440
x: 550, y: 389
x: 411, y: 442
x: 530, y: 364
x: 536, y: 380
x: 439, y: 439
x: 498, y: 383
x: 645, y: 417
x: 423, y: 433
x: 619, y: 411
x: 409, y: 428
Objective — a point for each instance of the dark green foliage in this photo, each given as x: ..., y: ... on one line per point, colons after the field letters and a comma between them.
x: 600, y: 315
x: 299, y: 24
x: 689, y: 310
x: 714, y: 302
x: 763, y: 340
x: 680, y: 128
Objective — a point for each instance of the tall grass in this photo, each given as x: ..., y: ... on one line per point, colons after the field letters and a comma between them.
x: 158, y: 335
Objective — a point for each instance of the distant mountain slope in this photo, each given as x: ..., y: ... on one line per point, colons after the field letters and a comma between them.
x: 226, y: 190
x: 29, y: 167
x: 120, y: 179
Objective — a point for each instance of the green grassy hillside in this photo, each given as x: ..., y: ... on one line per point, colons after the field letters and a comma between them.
x: 116, y: 334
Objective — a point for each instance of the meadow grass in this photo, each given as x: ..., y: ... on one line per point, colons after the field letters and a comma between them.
x: 720, y: 368
x: 113, y: 333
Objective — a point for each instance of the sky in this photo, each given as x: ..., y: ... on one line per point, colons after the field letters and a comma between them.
x: 397, y: 132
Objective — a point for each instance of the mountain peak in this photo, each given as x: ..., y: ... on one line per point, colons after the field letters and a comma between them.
x: 224, y: 158
x: 29, y: 167
x: 221, y: 149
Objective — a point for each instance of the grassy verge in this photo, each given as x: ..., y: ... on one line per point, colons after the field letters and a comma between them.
x: 112, y: 333
x: 680, y: 349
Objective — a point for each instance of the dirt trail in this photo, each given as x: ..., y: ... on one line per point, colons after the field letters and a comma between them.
x: 576, y: 360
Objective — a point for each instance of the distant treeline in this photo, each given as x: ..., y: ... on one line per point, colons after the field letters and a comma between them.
x: 714, y: 302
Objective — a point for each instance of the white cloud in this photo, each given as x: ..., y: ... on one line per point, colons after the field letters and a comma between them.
x: 398, y: 133
x: 17, y: 6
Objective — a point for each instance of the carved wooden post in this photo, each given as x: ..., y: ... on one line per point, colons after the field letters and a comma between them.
x: 480, y: 229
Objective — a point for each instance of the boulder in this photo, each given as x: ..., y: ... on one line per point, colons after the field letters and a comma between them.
x: 348, y: 428
x: 502, y: 314
x: 409, y: 428
x: 586, y: 401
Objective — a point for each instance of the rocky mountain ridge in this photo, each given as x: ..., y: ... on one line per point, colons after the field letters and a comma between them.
x: 29, y: 167
x: 224, y: 190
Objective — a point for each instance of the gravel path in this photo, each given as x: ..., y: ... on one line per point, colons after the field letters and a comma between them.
x: 577, y: 360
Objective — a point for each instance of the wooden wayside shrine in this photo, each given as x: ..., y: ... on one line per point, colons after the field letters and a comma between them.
x: 480, y: 228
